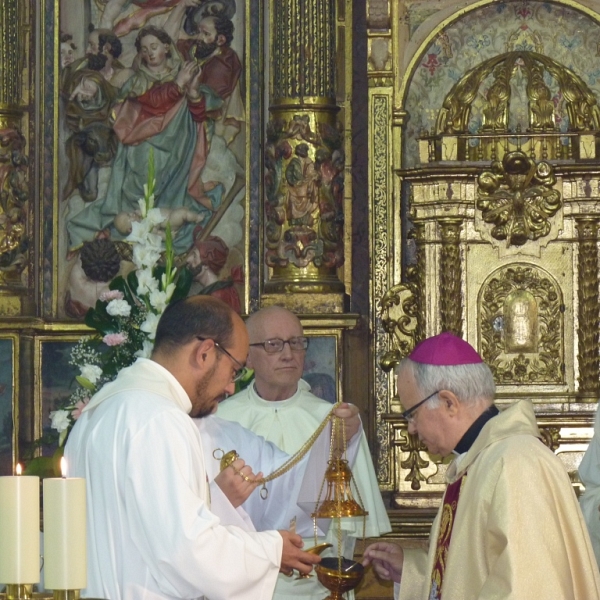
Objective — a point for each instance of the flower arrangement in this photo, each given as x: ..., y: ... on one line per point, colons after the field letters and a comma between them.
x: 125, y: 317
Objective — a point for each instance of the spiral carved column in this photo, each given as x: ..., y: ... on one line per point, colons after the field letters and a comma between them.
x: 14, y: 174
x: 304, y: 160
x: 450, y: 277
x: 589, y: 363
x: 417, y: 276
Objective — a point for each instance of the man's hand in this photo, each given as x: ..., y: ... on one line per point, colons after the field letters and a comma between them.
x: 237, y: 482
x: 292, y: 557
x: 387, y: 560
x: 192, y: 93
x: 186, y: 74
x: 349, y: 413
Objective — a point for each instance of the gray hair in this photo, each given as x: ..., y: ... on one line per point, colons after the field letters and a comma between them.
x: 470, y: 383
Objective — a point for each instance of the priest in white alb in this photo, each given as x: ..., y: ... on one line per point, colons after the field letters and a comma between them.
x: 151, y: 531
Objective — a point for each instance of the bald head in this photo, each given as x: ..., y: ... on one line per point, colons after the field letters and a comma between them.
x: 257, y: 323
x: 276, y: 373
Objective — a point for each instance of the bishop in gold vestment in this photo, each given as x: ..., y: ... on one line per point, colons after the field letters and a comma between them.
x: 512, y: 529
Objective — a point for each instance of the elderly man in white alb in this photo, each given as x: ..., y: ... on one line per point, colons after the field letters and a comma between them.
x: 279, y: 406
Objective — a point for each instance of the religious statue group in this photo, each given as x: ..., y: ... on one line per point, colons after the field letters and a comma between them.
x: 174, y: 95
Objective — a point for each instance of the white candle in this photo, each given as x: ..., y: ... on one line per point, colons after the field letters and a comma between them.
x: 19, y: 529
x: 65, y: 558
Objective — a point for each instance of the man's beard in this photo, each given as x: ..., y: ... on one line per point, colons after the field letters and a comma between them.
x: 195, y: 270
x: 204, y: 50
x: 203, y: 401
x: 96, y: 62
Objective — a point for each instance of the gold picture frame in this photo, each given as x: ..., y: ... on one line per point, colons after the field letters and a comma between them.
x: 9, y: 405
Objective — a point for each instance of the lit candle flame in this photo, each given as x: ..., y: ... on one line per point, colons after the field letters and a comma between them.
x: 63, y: 467
x: 19, y: 469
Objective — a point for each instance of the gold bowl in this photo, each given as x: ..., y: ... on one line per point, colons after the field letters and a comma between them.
x: 314, y: 550
x: 318, y: 548
x: 339, y: 581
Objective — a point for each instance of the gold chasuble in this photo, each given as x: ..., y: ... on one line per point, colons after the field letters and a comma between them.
x: 443, y: 542
x: 497, y: 542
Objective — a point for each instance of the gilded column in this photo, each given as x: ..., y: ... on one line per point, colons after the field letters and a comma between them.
x: 304, y: 160
x: 417, y: 276
x: 14, y: 192
x: 450, y: 277
x: 589, y: 364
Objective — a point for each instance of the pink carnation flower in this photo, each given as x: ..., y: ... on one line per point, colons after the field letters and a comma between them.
x: 111, y: 295
x: 114, y: 339
x: 76, y: 412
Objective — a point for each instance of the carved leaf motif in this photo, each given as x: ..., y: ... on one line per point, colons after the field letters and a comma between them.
x: 399, y: 308
x: 415, y: 462
x: 517, y: 197
x: 14, y: 192
x: 551, y: 437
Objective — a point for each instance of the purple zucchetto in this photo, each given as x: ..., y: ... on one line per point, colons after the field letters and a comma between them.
x: 445, y: 349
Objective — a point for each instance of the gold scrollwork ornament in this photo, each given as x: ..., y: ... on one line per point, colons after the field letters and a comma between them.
x: 414, y: 463
x: 517, y: 196
x: 400, y: 313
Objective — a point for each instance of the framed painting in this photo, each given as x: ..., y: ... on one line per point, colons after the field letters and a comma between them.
x: 9, y: 415
x: 138, y: 85
x: 55, y: 382
x: 322, y: 365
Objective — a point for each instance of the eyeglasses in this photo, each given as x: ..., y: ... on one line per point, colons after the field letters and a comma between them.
x: 275, y: 345
x: 409, y: 414
x: 238, y: 373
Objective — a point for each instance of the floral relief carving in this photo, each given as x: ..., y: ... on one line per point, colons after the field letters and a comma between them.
x: 414, y: 463
x: 551, y: 437
x: 399, y: 318
x: 14, y: 193
x: 517, y: 197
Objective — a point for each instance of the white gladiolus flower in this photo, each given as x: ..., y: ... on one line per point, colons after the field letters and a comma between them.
x: 145, y: 256
x: 139, y: 232
x: 118, y: 308
x: 155, y: 241
x: 60, y: 420
x: 158, y: 300
x: 155, y: 217
x: 146, y: 282
x: 142, y: 205
x: 150, y: 324
x: 169, y: 291
x: 91, y: 372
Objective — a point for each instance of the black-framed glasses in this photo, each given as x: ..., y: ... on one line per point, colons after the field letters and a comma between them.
x: 239, y: 372
x: 275, y: 345
x: 409, y: 414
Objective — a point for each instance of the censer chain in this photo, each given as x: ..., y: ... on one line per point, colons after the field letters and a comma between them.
x: 292, y: 461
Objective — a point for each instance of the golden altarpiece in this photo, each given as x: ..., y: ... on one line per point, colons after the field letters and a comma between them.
x: 484, y: 199
x: 404, y: 168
